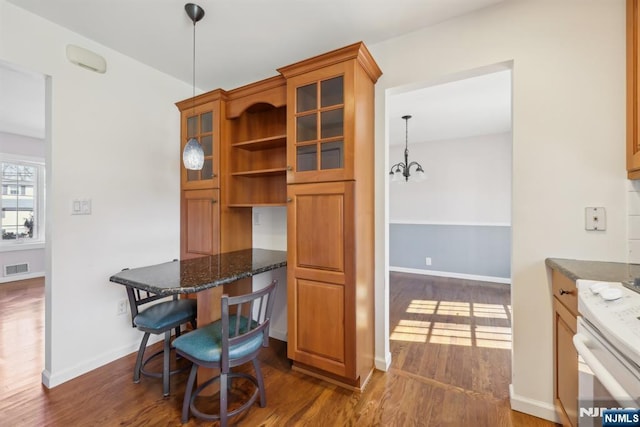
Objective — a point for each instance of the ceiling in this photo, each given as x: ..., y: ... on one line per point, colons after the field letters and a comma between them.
x: 241, y: 41
x: 479, y: 105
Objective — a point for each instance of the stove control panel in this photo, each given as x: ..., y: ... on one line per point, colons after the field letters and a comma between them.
x: 615, y: 311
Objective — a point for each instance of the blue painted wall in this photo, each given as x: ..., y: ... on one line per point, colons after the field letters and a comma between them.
x: 477, y: 250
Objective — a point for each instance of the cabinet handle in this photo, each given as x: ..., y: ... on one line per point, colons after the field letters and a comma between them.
x: 563, y: 292
x: 213, y: 201
x: 289, y: 167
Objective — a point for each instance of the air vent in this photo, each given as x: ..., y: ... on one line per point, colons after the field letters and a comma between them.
x: 10, y: 270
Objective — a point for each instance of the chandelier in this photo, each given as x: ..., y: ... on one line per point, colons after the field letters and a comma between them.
x: 403, y: 169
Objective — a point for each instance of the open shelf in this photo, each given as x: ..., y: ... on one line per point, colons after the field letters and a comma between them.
x: 262, y: 143
x: 261, y: 172
x: 257, y: 157
x: 256, y: 205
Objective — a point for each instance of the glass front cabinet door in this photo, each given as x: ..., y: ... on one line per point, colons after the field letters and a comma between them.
x: 201, y: 120
x: 319, y: 130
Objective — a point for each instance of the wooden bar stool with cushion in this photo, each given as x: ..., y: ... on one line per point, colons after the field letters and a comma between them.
x: 235, y: 339
x: 160, y: 318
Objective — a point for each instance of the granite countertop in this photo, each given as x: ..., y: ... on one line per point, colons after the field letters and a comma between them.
x: 197, y: 274
x: 595, y: 270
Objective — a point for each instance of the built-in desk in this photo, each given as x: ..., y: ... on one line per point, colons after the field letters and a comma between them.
x: 199, y: 274
x: 206, y: 277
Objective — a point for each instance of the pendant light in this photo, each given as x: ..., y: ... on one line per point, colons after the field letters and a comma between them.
x: 402, y: 169
x: 193, y: 154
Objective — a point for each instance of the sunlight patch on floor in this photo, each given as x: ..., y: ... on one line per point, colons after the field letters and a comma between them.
x: 454, y: 333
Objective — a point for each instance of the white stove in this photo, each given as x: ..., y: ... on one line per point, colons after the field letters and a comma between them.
x: 614, y: 310
x: 608, y: 344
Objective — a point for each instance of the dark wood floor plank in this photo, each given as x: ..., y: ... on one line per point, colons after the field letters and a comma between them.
x: 452, y: 372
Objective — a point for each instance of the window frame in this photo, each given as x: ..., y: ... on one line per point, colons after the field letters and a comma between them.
x: 39, y: 202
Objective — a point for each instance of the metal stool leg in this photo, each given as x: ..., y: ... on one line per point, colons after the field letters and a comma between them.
x: 166, y: 371
x: 138, y: 367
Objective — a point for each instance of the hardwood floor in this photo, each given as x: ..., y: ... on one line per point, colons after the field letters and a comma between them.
x: 451, y: 367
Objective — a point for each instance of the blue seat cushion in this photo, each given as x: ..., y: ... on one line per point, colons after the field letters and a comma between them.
x: 166, y: 315
x: 205, y: 343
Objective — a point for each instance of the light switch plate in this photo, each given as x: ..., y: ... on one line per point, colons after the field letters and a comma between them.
x: 81, y: 207
x: 595, y: 219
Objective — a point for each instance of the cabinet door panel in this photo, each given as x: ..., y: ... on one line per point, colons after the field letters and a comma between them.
x: 320, y: 125
x: 320, y: 319
x: 633, y: 90
x: 200, y: 223
x: 203, y: 123
x: 320, y: 237
x: 566, y: 368
x: 321, y: 276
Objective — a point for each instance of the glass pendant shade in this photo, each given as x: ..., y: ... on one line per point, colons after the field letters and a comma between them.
x: 193, y: 155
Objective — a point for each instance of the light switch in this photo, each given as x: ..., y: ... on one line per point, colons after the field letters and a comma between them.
x: 595, y: 219
x: 76, y: 208
x: 81, y: 207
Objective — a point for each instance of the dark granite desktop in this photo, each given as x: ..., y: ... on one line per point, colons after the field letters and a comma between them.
x: 197, y: 274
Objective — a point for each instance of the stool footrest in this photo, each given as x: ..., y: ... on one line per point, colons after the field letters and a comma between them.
x: 215, y: 417
x: 159, y: 374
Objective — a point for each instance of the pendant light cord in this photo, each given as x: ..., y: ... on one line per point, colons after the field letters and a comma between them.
x: 194, y: 60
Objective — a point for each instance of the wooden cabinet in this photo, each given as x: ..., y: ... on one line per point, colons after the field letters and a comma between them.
x: 255, y: 158
x: 633, y: 88
x: 199, y: 190
x: 306, y: 137
x: 565, y: 311
x: 330, y: 115
x: 200, y: 223
x: 200, y: 118
x: 330, y: 145
x: 320, y: 276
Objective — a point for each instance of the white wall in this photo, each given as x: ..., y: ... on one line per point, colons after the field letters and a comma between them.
x: 112, y: 139
x: 270, y: 232
x: 568, y: 150
x: 468, y: 182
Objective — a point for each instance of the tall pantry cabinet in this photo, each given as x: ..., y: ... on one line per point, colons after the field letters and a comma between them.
x: 330, y: 214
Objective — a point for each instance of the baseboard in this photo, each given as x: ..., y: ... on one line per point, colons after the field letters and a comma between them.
x: 277, y: 334
x: 383, y: 364
x: 53, y: 379
x: 533, y: 407
x: 18, y: 277
x: 493, y: 279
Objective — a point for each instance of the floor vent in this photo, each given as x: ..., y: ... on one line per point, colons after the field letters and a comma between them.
x: 10, y: 270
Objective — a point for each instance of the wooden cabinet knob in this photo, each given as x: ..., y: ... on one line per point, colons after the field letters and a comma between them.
x: 289, y: 167
x: 289, y: 199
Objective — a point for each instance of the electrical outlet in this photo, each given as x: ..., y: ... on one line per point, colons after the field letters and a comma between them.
x: 427, y: 260
x: 122, y: 307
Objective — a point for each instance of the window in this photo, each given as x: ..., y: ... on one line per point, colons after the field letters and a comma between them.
x: 22, y: 202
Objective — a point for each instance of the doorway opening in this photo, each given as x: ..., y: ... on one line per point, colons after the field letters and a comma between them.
x: 449, y: 236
